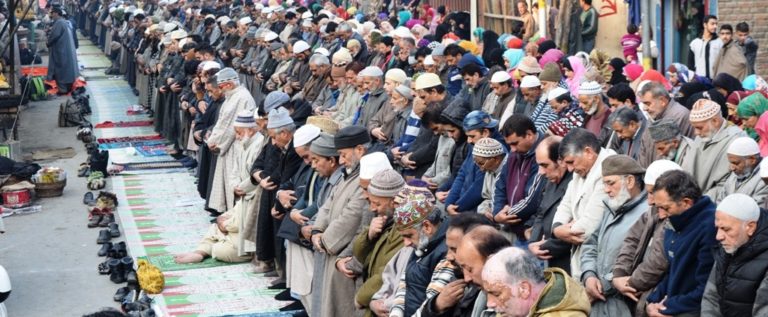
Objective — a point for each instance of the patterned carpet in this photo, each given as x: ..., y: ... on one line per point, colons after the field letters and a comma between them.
x: 161, y: 214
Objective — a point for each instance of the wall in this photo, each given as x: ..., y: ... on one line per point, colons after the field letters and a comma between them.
x: 755, y: 13
x: 611, y: 26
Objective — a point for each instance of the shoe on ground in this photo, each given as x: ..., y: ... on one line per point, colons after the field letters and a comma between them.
x: 263, y: 267
x: 104, y: 237
x: 114, y: 231
x: 120, y: 294
x: 106, y: 220
x: 94, y: 222
x: 88, y: 199
x: 272, y: 273
x: 295, y: 306
x: 105, y: 248
x: 284, y: 295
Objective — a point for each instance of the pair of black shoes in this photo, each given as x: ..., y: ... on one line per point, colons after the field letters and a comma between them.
x: 113, y: 250
x: 106, y: 235
x: 140, y: 307
x: 121, y: 271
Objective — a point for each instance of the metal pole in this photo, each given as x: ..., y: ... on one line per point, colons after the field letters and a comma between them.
x: 11, y: 45
x: 645, y: 8
x: 543, y: 18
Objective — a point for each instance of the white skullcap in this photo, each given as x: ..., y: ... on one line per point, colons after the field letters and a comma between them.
x: 743, y: 146
x: 429, y: 60
x: 208, y: 65
x: 306, y: 134
x: 556, y: 92
x: 178, y: 34
x: 270, y: 36
x: 397, y: 75
x: 322, y: 51
x: 168, y: 27
x: 306, y: 23
x: 300, y: 46
x: 373, y: 163
x: 500, y: 77
x: 306, y: 15
x: 245, y: 20
x: 403, y: 32
x: 657, y: 168
x: 182, y: 42
x: 371, y: 71
x: 172, y: 1
x: 530, y: 81
x: 740, y: 206
x: 590, y: 88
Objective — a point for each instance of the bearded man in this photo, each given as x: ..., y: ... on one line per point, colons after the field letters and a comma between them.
x: 623, y: 182
x: 744, y: 158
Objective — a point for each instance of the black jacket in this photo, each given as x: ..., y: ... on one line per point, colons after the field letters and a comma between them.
x: 542, y: 224
x: 418, y: 272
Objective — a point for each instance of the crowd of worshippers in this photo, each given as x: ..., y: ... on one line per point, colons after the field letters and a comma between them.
x: 394, y: 165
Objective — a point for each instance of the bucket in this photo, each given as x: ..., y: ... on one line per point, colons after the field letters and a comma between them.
x: 16, y: 198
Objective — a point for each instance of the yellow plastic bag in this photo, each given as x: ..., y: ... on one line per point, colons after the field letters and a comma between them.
x: 151, y: 280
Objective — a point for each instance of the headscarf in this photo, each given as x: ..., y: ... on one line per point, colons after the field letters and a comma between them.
x: 513, y: 57
x: 403, y: 17
x: 478, y: 33
x: 633, y: 71
x: 470, y: 47
x: 490, y: 42
x: 551, y: 56
x: 494, y: 58
x: 727, y: 82
x: 753, y: 106
x: 617, y: 74
x: 654, y: 75
x: 750, y: 82
x: 574, y: 64
x: 761, y: 128
x: 688, y: 90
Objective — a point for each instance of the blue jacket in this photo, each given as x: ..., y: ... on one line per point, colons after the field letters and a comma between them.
x: 689, y: 241
x: 467, y: 188
x: 454, y: 84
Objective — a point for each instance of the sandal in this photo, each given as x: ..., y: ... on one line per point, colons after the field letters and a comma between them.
x: 84, y: 170
x: 104, y: 268
x: 88, y: 199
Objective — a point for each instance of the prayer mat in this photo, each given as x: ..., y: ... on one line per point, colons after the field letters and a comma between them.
x: 89, y: 50
x: 166, y: 263
x: 94, y: 61
x: 129, y: 155
x: 124, y: 124
x: 152, y: 150
x: 150, y: 165
x: 129, y: 139
x: 124, y: 131
x: 108, y: 146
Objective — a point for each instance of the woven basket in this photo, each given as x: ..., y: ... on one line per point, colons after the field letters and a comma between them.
x: 44, y: 190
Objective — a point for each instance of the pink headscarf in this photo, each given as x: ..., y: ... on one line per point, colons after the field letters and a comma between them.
x: 761, y: 127
x: 551, y: 56
x: 633, y: 71
x: 578, y: 75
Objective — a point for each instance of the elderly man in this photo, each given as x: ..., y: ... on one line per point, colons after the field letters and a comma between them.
x: 422, y: 227
x: 597, y: 112
x: 542, y: 243
x: 641, y: 263
x: 223, y: 135
x: 738, y: 283
x: 707, y: 160
x: 659, y: 106
x: 376, y: 246
x: 744, y: 157
x: 464, y: 296
x: 62, y: 63
x: 517, y: 287
x: 622, y: 177
x: 336, y: 225
x: 382, y: 124
x: 629, y: 128
x: 275, y: 166
x: 668, y: 142
x: 535, y: 105
x: 224, y: 240
x: 518, y: 190
x: 581, y: 210
x: 490, y: 159
x: 320, y: 67
x: 375, y: 96
x: 503, y: 95
x: 688, y: 241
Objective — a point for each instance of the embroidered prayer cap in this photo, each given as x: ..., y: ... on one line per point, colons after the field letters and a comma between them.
x: 396, y: 75
x: 414, y: 204
x: 372, y: 163
x: 657, y: 168
x: 342, y: 56
x: 743, y: 146
x: 371, y: 71
x: 279, y: 118
x: 487, y: 147
x: 703, y: 110
x: 590, y: 88
x: 530, y: 81
x: 427, y: 80
x: 386, y: 183
x: 740, y: 206
x: 305, y: 135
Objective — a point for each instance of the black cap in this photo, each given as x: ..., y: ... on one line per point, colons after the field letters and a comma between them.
x: 351, y: 136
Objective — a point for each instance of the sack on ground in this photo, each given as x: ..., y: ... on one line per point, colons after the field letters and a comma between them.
x: 151, y: 279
